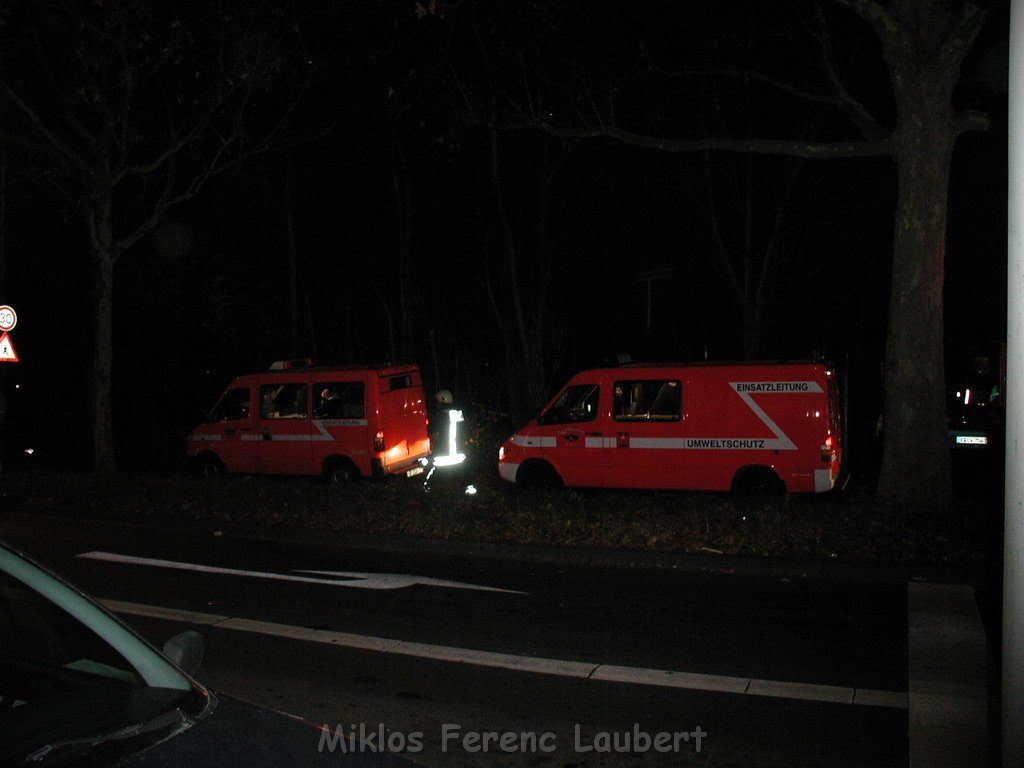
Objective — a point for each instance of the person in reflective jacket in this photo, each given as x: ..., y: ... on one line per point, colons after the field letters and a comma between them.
x: 445, y: 419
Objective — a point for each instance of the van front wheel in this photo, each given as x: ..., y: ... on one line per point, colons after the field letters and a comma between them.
x: 538, y: 474
x: 210, y: 466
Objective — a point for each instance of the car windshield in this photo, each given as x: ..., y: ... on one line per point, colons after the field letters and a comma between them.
x: 73, y: 678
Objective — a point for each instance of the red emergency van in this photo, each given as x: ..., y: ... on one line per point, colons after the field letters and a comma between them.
x: 298, y: 419
x: 711, y: 427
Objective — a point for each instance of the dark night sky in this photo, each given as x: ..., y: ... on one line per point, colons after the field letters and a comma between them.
x: 205, y: 297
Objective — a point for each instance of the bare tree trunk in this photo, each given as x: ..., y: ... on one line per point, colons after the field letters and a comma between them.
x: 293, y: 280
x: 924, y: 68
x: 515, y: 405
x: 104, y: 257
x: 915, y: 464
x: 401, y: 242
x: 511, y: 252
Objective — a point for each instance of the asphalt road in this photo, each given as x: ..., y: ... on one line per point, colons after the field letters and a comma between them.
x: 557, y: 662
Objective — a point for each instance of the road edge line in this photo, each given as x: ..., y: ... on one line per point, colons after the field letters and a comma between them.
x: 539, y: 665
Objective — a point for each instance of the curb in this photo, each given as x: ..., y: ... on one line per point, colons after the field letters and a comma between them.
x: 552, y: 555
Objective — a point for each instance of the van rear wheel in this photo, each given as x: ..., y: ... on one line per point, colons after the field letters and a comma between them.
x: 757, y: 481
x: 340, y: 472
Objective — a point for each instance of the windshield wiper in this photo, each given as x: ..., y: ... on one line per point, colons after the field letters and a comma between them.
x: 173, y: 722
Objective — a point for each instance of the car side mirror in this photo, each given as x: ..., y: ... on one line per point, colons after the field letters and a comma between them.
x: 186, y: 650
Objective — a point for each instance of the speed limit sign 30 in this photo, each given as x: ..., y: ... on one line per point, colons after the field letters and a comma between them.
x: 8, y: 318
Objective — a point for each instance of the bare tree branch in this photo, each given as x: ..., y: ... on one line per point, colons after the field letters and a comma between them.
x: 69, y: 157
x: 876, y: 147
x: 853, y: 108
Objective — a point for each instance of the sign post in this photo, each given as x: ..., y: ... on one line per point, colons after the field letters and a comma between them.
x: 8, y: 319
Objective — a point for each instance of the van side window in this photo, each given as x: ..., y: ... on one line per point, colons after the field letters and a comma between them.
x: 284, y: 401
x: 400, y: 382
x: 648, y: 400
x: 578, y: 403
x: 339, y: 400
x: 232, y: 406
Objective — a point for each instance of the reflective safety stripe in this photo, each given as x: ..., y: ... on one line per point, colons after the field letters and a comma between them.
x: 528, y: 441
x: 657, y: 442
x: 322, y: 434
x: 321, y: 423
x: 671, y: 443
x: 321, y: 426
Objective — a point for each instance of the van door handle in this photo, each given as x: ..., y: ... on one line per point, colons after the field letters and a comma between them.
x: 229, y: 431
x: 267, y: 435
x: 570, y: 435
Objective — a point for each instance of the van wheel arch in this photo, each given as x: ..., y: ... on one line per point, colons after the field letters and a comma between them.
x: 208, y: 464
x: 757, y: 480
x: 538, y: 473
x: 339, y: 470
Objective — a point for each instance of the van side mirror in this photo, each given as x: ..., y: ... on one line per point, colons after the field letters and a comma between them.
x: 186, y: 650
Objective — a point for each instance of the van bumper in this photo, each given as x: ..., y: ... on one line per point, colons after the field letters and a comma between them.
x: 380, y: 469
x: 824, y: 480
x: 508, y: 471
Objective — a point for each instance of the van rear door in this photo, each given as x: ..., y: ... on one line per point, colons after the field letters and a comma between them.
x: 402, y: 424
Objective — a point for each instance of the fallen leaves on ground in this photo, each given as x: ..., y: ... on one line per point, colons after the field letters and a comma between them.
x: 849, y: 525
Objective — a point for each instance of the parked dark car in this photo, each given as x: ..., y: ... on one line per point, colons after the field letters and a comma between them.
x: 78, y: 687
x: 975, y: 426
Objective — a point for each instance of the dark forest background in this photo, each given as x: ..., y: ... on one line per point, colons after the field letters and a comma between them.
x: 392, y: 220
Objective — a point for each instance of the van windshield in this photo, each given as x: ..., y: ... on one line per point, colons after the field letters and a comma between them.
x: 577, y: 403
x: 233, y: 406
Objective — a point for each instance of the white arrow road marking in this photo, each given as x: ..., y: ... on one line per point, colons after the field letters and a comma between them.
x: 349, y: 579
x: 402, y: 580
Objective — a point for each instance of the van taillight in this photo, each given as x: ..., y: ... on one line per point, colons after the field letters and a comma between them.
x: 378, y: 440
x: 827, y: 454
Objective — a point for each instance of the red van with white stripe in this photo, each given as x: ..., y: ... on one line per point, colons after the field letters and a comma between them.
x: 713, y: 427
x: 297, y: 419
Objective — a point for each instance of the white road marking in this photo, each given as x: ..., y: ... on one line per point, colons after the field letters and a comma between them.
x: 544, y: 666
x: 347, y: 579
x: 401, y: 580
